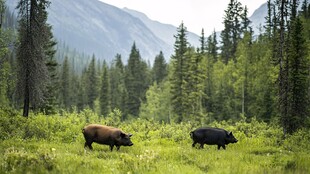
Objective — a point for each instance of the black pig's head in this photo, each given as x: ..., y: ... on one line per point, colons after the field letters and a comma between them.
x: 230, y: 138
x: 125, y: 139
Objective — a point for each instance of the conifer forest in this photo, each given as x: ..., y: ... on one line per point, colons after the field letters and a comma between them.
x: 254, y: 85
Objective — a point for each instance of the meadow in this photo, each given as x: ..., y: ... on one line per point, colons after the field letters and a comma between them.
x: 55, y: 144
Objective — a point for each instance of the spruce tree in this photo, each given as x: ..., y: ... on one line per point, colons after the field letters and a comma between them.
x: 32, y: 70
x: 91, y: 86
x: 65, y: 85
x: 159, y: 68
x: 268, y: 18
x: 210, y: 60
x: 136, y: 81
x: 117, y: 84
x: 283, y: 64
x: 212, y: 49
x: 245, y: 23
x: 298, y: 65
x: 179, y: 63
x: 50, y: 103
x: 81, y: 90
x: 104, y: 98
x: 202, y: 42
x: 2, y: 12
x: 304, y: 8
x: 194, y: 86
x: 232, y: 30
x: 290, y: 55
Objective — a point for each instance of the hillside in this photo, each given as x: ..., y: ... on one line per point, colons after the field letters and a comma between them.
x: 95, y: 27
x: 258, y: 18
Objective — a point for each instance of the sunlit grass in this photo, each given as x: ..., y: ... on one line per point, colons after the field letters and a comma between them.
x: 158, y: 148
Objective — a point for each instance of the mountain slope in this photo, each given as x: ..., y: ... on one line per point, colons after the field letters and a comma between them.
x: 165, y: 32
x: 94, y: 27
x: 258, y: 18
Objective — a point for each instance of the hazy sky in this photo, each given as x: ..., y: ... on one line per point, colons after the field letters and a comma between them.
x: 196, y: 14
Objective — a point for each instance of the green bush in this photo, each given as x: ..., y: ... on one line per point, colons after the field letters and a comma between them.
x: 21, y: 161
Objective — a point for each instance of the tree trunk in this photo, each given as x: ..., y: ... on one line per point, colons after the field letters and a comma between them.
x: 26, y: 99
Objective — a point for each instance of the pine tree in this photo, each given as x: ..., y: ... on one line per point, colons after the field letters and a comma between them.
x: 210, y: 60
x: 232, y: 30
x: 304, y: 9
x: 81, y: 90
x: 159, y: 68
x: 179, y: 63
x: 50, y: 95
x: 194, y: 86
x: 283, y: 64
x: 202, y: 42
x: 104, y: 98
x: 245, y: 23
x: 268, y: 18
x: 290, y: 55
x: 117, y: 83
x: 212, y: 49
x: 65, y: 85
x: 32, y: 71
x: 2, y: 12
x: 297, y: 82
x: 91, y: 84
x: 136, y: 81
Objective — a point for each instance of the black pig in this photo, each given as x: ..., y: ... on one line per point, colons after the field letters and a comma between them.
x: 105, y: 135
x: 212, y: 136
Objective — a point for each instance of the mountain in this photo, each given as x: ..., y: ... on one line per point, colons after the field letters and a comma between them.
x: 165, y: 32
x: 258, y: 18
x: 93, y: 27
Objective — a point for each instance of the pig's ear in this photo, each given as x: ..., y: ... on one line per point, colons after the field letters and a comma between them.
x: 129, y: 135
x: 123, y: 135
x: 230, y: 134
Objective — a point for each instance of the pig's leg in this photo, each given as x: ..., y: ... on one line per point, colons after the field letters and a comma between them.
x: 193, y: 145
x: 111, y: 147
x: 117, y: 148
x: 88, y: 144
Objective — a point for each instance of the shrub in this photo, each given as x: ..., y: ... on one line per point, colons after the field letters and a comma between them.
x: 21, y: 161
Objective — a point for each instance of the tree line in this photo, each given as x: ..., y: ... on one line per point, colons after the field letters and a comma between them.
x: 239, y: 76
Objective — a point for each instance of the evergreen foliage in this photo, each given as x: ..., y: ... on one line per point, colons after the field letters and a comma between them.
x: 117, y: 83
x: 105, y: 92
x: 136, y: 81
x: 159, y: 68
x: 31, y: 56
x: 232, y: 30
x: 298, y: 109
x: 65, y: 85
x: 179, y: 70
x: 91, y: 85
x: 202, y: 42
x: 50, y: 104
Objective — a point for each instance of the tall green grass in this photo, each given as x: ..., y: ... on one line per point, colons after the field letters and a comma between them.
x: 55, y: 144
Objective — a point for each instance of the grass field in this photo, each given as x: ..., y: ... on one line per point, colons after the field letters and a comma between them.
x: 54, y: 144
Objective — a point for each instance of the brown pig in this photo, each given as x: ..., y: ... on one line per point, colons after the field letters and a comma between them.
x: 105, y: 135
